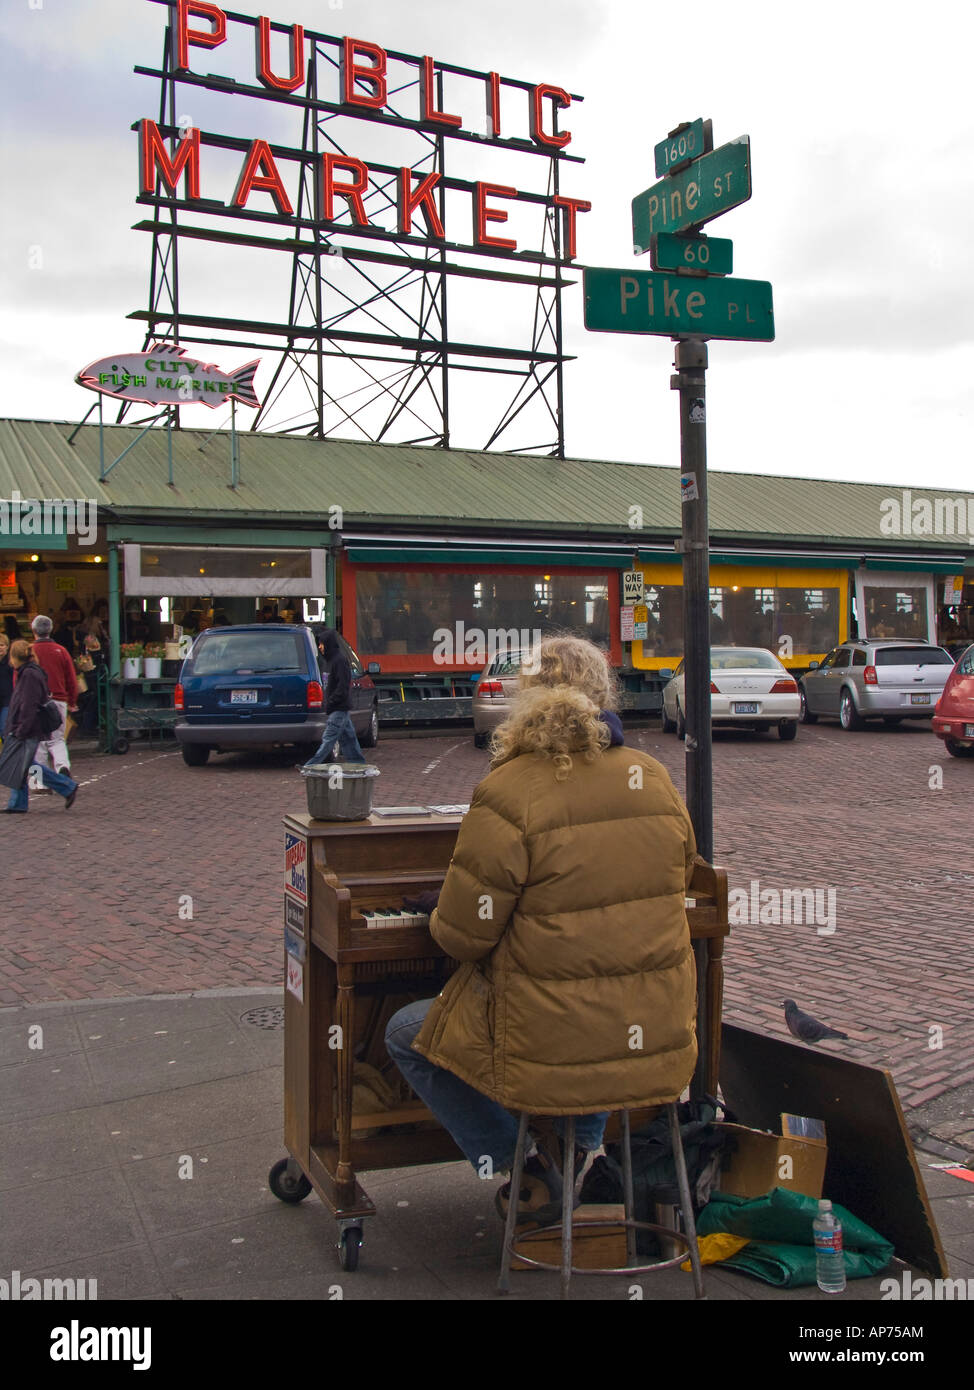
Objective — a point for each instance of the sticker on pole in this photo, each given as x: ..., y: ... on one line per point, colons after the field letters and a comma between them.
x: 295, y: 978
x: 296, y: 866
x: 698, y: 411
x: 688, y: 487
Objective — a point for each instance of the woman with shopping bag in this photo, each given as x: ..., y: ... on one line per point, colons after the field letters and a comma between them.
x: 25, y: 728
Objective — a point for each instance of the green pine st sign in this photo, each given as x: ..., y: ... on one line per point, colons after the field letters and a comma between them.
x: 712, y: 184
x: 678, y: 306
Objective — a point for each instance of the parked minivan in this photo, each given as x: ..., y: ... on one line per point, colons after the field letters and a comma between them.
x: 259, y: 685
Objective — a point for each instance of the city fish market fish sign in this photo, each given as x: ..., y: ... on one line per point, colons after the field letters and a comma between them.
x: 165, y: 375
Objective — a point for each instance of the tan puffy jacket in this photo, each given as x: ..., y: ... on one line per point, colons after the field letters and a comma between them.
x: 565, y: 901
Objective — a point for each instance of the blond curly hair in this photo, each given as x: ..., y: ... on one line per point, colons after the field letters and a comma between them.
x: 556, y: 710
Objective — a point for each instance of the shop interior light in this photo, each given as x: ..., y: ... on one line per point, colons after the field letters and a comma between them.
x: 97, y: 559
x: 202, y: 570
x: 35, y: 558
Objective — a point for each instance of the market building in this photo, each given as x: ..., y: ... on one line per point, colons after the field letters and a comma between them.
x: 412, y: 550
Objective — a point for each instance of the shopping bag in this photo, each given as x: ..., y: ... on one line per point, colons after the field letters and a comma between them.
x: 16, y: 757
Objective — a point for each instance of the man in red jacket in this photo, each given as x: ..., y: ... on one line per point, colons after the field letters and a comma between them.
x: 59, y: 669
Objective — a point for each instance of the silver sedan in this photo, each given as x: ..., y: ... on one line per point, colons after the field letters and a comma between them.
x: 749, y: 688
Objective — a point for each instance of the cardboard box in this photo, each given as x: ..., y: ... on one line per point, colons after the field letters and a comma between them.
x: 760, y: 1161
x: 602, y: 1247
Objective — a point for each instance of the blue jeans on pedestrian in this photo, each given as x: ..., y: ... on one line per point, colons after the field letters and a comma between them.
x: 3, y: 719
x: 481, y: 1127
x: 339, y: 729
x: 55, y: 780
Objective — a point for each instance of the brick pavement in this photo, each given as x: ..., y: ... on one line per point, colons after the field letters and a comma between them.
x: 93, y: 896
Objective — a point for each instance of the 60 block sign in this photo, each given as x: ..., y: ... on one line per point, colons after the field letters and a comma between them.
x: 709, y: 255
x: 678, y: 306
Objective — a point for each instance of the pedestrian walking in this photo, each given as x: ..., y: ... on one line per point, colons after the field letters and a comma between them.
x: 338, y: 701
x: 90, y: 664
x: 564, y: 903
x: 58, y: 666
x: 25, y: 731
x: 6, y: 680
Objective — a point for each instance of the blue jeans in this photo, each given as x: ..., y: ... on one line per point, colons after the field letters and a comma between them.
x: 3, y: 719
x: 481, y: 1127
x: 55, y: 780
x: 339, y: 729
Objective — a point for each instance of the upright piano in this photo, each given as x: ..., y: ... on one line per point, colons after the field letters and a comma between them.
x: 346, y: 978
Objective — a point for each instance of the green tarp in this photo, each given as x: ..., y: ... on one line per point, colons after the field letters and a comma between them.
x: 779, y: 1228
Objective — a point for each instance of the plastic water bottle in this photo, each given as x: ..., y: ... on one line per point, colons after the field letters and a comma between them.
x: 829, y: 1265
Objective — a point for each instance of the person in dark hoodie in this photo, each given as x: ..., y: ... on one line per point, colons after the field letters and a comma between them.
x: 6, y: 680
x: 24, y: 732
x: 338, y: 701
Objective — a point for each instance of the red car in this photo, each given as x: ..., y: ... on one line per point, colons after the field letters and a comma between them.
x: 953, y: 715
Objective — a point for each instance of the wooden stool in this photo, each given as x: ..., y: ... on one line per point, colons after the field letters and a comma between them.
x: 686, y: 1238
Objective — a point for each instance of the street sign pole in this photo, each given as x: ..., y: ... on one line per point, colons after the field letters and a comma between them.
x: 691, y: 382
x: 689, y: 296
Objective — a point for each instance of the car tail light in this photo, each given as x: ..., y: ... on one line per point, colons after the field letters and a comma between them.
x: 869, y: 675
x: 177, y: 698
x: 490, y: 688
x: 785, y: 687
x: 713, y: 689
x: 315, y: 695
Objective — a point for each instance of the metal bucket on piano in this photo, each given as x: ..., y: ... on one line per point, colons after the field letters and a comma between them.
x: 339, y: 791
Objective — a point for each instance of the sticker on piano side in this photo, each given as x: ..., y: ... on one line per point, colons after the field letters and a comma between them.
x: 295, y: 944
x: 294, y: 914
x: 296, y: 865
x: 295, y: 978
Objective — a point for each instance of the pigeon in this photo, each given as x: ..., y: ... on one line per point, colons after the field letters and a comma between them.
x: 806, y: 1027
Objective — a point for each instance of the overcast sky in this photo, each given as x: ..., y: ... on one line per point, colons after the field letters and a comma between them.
x: 862, y: 215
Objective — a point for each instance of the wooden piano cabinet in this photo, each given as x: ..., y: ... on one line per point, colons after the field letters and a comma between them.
x: 345, y: 979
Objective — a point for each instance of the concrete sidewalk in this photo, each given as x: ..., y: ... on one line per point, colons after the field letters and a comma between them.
x: 135, y: 1141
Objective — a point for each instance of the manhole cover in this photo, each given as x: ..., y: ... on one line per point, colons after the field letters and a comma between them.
x: 270, y: 1016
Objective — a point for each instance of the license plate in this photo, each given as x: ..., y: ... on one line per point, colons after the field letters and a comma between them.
x: 749, y: 707
x: 969, y: 730
x: 919, y: 699
x: 243, y: 697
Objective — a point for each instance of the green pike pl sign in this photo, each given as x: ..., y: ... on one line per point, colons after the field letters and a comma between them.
x: 678, y: 306
x: 712, y: 184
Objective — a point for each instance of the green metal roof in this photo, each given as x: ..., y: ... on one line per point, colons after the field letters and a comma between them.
x: 291, y: 480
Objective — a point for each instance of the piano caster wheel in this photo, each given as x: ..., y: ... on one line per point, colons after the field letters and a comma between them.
x: 287, y: 1186
x: 349, y: 1245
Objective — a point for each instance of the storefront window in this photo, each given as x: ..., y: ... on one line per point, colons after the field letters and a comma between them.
x: 664, y: 627
x: 955, y: 613
x: 896, y: 612
x: 400, y: 611
x: 765, y: 617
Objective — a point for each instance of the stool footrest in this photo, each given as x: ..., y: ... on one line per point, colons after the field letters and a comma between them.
x: 541, y: 1235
